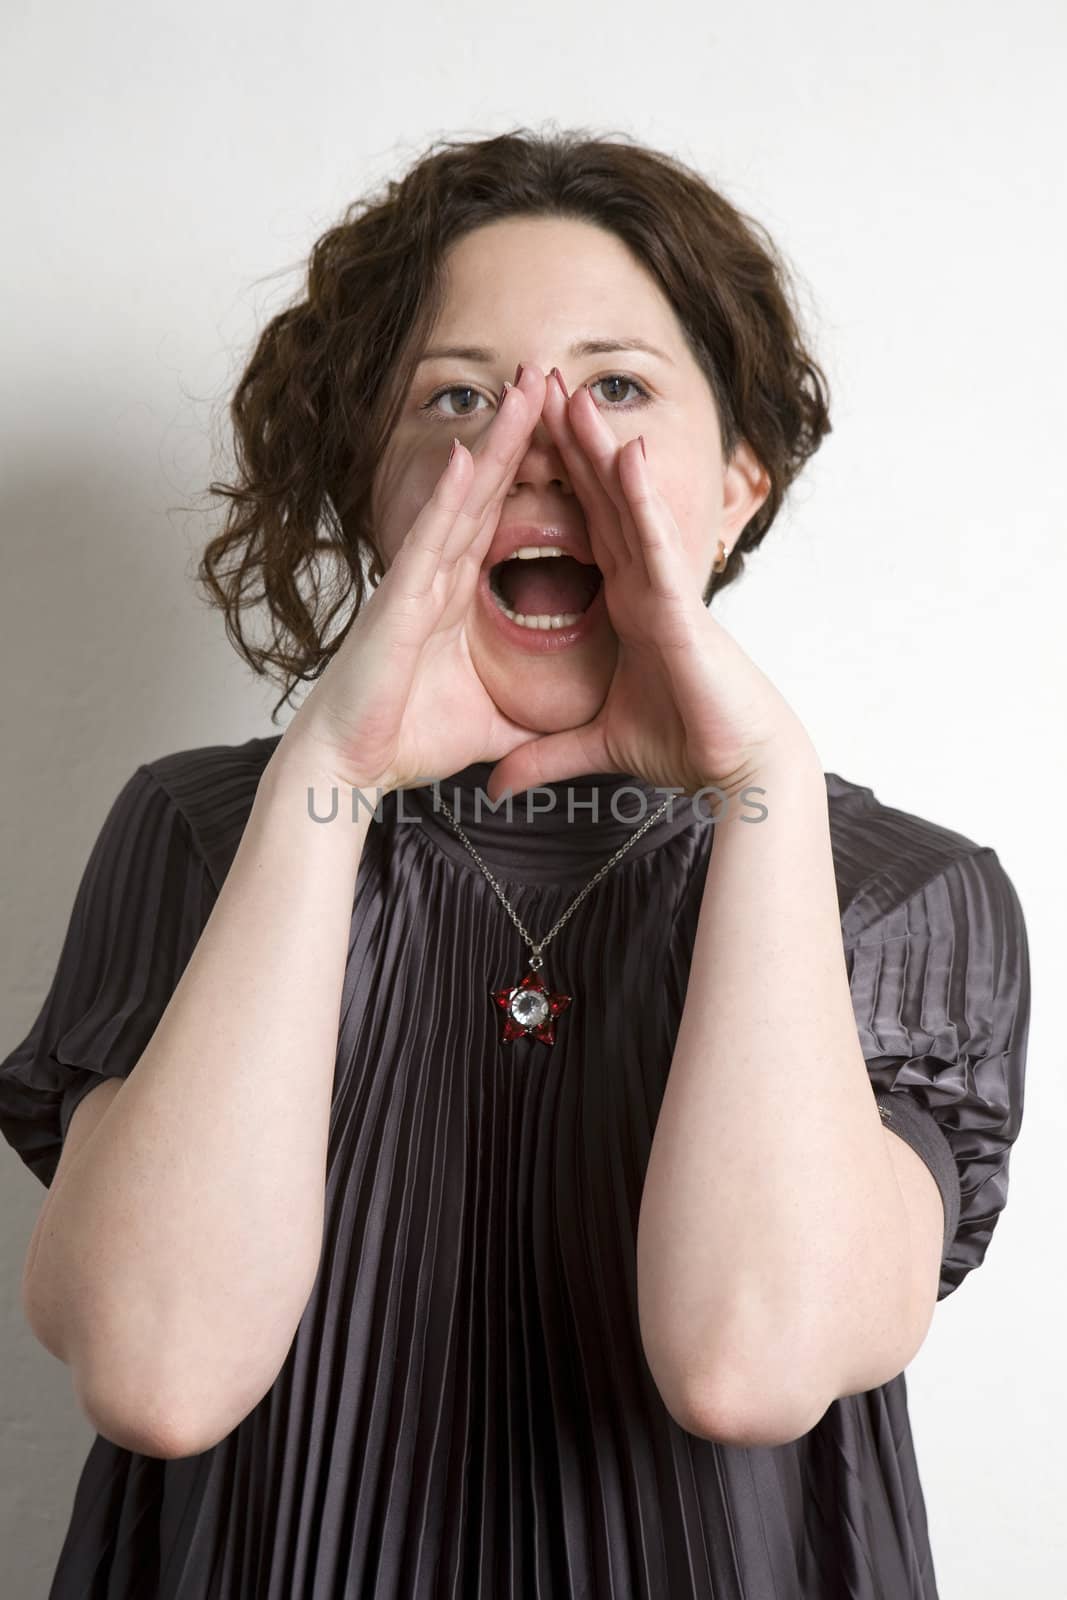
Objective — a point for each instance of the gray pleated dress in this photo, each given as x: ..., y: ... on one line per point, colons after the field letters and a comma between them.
x: 465, y: 1410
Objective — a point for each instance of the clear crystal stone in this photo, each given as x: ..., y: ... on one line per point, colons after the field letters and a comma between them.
x: 529, y: 1008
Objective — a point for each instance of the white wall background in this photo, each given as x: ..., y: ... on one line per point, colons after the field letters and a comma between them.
x: 161, y: 164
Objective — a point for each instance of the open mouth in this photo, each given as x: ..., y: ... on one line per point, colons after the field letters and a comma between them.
x: 550, y: 590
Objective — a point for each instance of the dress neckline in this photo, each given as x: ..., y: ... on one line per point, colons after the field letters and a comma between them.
x: 556, y: 832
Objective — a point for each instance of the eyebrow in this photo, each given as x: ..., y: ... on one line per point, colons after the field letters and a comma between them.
x: 583, y: 347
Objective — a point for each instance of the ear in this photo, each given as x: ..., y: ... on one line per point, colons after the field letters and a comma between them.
x: 745, y: 486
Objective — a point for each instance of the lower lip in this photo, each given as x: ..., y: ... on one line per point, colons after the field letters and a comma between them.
x: 542, y: 641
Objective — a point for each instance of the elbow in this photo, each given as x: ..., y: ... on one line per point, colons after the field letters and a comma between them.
x: 766, y: 1420
x: 150, y: 1427
x: 170, y: 1409
x: 138, y: 1411
x: 739, y: 1410
x: 160, y: 1438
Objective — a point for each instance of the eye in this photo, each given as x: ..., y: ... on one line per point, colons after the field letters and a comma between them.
x: 616, y: 378
x: 621, y: 378
x: 430, y: 405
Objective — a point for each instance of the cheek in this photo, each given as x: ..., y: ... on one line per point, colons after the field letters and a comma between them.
x: 687, y: 503
x: 689, y: 494
x: 404, y: 484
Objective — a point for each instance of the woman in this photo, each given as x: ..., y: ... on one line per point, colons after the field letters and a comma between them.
x: 530, y: 1202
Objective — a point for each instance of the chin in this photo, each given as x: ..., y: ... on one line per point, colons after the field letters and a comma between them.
x: 550, y: 699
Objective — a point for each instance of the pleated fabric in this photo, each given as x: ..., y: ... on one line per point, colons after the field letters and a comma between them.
x: 465, y: 1411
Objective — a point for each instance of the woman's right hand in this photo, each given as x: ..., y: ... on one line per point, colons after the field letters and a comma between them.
x: 400, y: 702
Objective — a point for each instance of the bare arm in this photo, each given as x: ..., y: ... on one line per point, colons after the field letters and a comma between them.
x: 776, y: 1263
x: 173, y: 1262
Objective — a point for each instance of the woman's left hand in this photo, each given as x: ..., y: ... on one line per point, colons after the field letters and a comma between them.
x: 686, y: 707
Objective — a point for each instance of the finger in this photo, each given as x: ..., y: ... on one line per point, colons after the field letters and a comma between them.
x: 583, y: 481
x: 600, y: 448
x: 609, y: 545
x: 449, y: 525
x: 496, y: 458
x: 553, y: 759
x: 655, y: 529
x: 418, y: 560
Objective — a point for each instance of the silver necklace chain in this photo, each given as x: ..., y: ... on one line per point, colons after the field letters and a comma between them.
x: 535, y: 957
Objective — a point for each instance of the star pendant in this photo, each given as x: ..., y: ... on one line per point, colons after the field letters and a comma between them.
x: 530, y: 1007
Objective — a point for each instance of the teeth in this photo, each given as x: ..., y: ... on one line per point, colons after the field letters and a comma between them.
x: 565, y: 620
x: 530, y: 552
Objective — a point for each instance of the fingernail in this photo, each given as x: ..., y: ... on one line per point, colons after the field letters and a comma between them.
x: 504, y: 391
x: 641, y: 442
x: 518, y: 373
x: 452, y: 452
x: 557, y: 374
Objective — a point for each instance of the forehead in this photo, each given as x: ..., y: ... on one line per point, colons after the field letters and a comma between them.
x: 560, y: 276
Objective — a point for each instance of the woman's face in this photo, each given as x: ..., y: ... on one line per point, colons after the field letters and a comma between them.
x: 530, y: 289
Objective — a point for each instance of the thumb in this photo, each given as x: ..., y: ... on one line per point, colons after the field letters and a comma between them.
x: 549, y: 760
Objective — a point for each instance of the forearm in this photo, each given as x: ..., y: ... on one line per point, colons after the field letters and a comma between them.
x: 763, y: 1232
x: 175, y: 1260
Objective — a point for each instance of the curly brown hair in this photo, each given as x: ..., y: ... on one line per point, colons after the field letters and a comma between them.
x: 326, y: 383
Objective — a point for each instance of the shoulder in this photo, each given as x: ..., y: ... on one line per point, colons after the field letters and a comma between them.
x: 886, y: 859
x: 212, y: 787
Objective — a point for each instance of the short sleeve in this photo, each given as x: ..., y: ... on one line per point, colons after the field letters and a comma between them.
x: 941, y: 994
x: 142, y: 902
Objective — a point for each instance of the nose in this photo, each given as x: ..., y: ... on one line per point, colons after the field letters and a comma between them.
x: 541, y: 465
